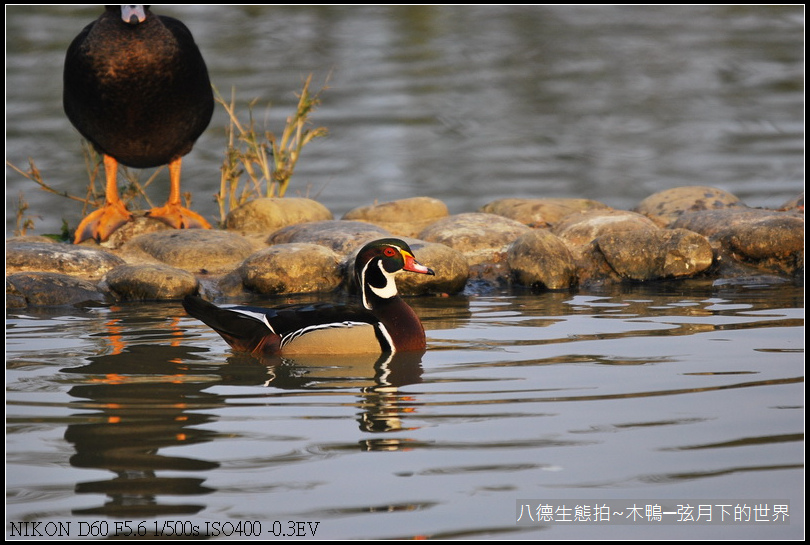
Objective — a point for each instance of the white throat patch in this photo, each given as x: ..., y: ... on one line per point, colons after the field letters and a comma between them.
x: 385, y: 292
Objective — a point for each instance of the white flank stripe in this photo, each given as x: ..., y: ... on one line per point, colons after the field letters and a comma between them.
x: 289, y: 337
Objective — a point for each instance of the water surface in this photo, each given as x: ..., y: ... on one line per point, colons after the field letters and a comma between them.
x: 141, y: 413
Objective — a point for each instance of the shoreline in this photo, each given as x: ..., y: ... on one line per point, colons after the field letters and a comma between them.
x: 277, y: 246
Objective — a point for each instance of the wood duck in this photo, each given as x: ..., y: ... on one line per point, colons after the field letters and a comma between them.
x: 137, y: 88
x: 384, y: 323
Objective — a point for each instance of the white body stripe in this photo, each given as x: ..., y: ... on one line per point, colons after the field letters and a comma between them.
x: 288, y: 338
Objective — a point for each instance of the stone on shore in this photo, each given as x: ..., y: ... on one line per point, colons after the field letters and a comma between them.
x: 291, y: 268
x: 23, y: 255
x: 481, y: 237
x: 655, y: 254
x: 586, y: 244
x: 581, y: 228
x: 150, y: 282
x: 540, y: 213
x: 665, y: 207
x: 541, y: 260
x: 194, y: 250
x: 339, y: 235
x: 402, y: 218
x: 46, y: 289
x: 269, y: 214
x: 769, y: 240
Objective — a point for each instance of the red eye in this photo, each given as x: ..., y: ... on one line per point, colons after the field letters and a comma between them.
x: 390, y: 252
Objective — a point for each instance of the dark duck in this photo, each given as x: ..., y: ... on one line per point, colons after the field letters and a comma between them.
x: 381, y: 323
x: 137, y: 88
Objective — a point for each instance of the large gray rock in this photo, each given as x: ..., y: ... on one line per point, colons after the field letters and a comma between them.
x: 581, y: 229
x: 59, y: 258
x: 481, y: 237
x: 667, y: 206
x: 150, y: 282
x: 650, y: 255
x: 404, y: 218
x: 52, y: 289
x: 340, y: 235
x: 540, y: 213
x: 194, y: 250
x: 541, y: 260
x: 292, y: 268
x: 765, y: 239
x: 269, y: 214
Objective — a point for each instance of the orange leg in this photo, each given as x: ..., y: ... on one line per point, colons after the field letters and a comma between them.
x: 101, y: 223
x: 173, y: 213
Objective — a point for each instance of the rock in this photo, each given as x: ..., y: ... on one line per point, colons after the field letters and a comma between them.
x: 480, y: 237
x: 194, y: 249
x: 582, y: 228
x: 59, y: 258
x: 650, y: 255
x: 541, y: 260
x: 766, y: 239
x: 14, y: 299
x: 540, y: 213
x: 54, y: 289
x: 292, y: 268
x: 667, y: 206
x: 269, y: 214
x: 340, y: 235
x: 588, y: 243
x: 796, y: 203
x: 140, y: 225
x: 403, y: 218
x: 150, y: 282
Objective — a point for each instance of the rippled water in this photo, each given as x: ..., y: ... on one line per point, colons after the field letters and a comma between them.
x: 681, y: 391
x: 466, y: 104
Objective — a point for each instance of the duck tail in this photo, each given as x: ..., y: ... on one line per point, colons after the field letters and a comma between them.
x: 243, y: 332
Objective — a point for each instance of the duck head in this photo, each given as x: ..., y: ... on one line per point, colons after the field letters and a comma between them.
x: 376, y: 265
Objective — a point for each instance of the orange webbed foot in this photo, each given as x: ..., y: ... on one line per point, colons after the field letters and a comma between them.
x: 99, y: 225
x: 179, y: 217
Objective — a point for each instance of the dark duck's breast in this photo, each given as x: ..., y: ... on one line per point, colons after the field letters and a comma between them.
x: 137, y: 88
x: 383, y: 323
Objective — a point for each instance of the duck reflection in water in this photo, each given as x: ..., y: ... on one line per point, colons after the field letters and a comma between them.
x: 139, y: 399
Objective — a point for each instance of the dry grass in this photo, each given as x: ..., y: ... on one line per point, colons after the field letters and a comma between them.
x: 266, y: 161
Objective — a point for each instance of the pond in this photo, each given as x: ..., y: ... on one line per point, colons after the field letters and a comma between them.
x: 678, y: 392
x: 464, y: 104
x: 135, y: 419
